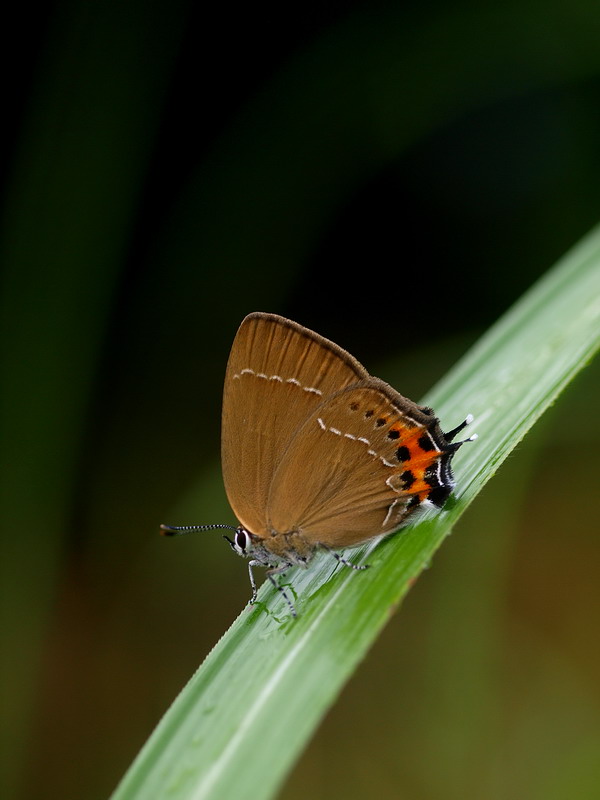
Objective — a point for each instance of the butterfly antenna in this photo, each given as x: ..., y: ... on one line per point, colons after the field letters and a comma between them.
x: 175, y: 530
x: 451, y: 434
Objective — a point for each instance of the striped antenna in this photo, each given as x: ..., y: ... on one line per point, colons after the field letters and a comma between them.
x: 175, y: 530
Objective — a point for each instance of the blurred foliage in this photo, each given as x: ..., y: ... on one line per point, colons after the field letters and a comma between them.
x: 172, y: 167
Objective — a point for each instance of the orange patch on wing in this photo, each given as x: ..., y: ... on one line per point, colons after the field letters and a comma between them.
x: 421, y: 488
x: 409, y: 438
x: 418, y: 464
x: 420, y: 461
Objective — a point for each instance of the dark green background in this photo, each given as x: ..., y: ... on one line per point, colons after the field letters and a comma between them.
x: 393, y: 175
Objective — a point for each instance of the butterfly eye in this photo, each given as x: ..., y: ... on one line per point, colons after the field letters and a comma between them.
x: 241, y: 542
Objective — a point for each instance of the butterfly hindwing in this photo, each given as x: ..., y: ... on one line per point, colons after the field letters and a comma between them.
x: 360, y: 464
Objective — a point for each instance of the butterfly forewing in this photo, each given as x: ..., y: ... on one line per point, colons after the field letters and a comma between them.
x: 372, y: 461
x: 277, y: 375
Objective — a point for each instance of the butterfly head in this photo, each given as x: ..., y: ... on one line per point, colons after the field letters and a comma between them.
x: 241, y: 543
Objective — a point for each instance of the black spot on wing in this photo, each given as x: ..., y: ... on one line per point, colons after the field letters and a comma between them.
x: 426, y: 443
x: 408, y: 478
x: 403, y: 453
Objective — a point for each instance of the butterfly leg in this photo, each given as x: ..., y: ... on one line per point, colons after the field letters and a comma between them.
x: 279, y: 571
x: 253, y: 563
x: 341, y: 560
x: 270, y: 573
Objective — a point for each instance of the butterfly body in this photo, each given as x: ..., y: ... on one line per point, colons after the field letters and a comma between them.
x: 281, y: 548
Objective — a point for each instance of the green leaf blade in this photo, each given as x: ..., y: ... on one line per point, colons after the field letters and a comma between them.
x: 239, y: 724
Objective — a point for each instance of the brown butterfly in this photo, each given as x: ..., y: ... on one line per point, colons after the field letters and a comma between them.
x: 317, y: 453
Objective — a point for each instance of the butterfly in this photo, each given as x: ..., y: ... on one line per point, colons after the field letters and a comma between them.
x: 316, y: 453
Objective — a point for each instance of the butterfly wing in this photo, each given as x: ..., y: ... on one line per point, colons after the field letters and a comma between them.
x: 360, y: 464
x: 277, y: 375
